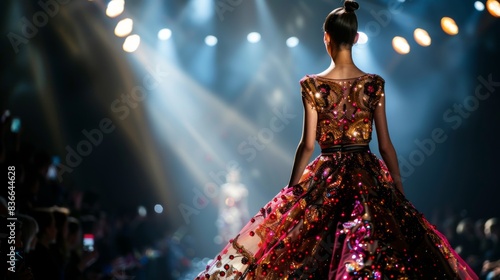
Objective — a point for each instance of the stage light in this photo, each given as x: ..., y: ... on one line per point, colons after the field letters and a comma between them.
x: 124, y: 27
x: 493, y: 7
x: 115, y: 8
x: 141, y: 211
x: 158, y: 208
x: 400, y: 45
x: 200, y: 11
x: 449, y: 26
x: 292, y: 42
x: 131, y: 43
x: 422, y: 37
x: 276, y: 97
x: 211, y: 40
x: 164, y: 34
x: 362, y: 38
x: 253, y: 37
x: 479, y: 6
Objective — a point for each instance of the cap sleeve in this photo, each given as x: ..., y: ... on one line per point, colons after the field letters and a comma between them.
x: 375, y: 89
x: 308, y: 89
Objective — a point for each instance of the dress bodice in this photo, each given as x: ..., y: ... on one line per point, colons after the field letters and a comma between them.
x: 345, y: 107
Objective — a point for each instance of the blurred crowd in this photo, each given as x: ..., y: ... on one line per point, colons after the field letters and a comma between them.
x: 53, y: 231
x: 477, y: 241
x: 63, y: 233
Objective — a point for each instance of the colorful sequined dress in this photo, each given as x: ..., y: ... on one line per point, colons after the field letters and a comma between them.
x: 345, y: 219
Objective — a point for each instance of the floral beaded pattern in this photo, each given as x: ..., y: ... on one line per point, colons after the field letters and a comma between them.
x: 345, y: 107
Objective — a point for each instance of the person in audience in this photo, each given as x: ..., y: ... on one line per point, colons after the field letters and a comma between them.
x: 79, y: 259
x: 42, y: 260
x: 29, y: 232
x: 492, y: 233
x: 491, y: 270
x: 479, y: 231
x: 468, y: 245
x: 60, y: 247
x: 491, y: 266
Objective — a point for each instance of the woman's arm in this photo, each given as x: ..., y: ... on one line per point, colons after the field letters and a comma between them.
x: 385, y: 146
x: 306, y: 144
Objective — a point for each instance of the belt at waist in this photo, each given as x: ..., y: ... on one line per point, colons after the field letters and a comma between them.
x: 349, y: 148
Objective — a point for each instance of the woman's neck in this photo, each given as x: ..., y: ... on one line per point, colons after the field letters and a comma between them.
x: 341, y: 64
x: 342, y: 58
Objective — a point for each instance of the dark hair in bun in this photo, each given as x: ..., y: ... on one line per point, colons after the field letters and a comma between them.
x: 342, y: 24
x: 350, y: 6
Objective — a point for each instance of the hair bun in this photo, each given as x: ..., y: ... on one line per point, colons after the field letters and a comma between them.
x: 350, y: 6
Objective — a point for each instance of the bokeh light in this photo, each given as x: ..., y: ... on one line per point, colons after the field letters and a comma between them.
x: 131, y: 43
x: 449, y: 26
x: 479, y: 6
x: 158, y: 208
x: 115, y: 8
x: 493, y: 7
x: 422, y: 37
x: 362, y: 38
x: 164, y: 34
x: 124, y: 27
x: 253, y: 37
x: 400, y: 45
x: 292, y: 42
x: 142, y: 211
x: 211, y: 40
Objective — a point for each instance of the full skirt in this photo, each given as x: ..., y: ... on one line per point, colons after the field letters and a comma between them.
x: 344, y: 220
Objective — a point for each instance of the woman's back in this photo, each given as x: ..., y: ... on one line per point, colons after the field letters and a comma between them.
x: 345, y: 107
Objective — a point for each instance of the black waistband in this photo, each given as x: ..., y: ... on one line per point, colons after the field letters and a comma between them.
x: 340, y: 148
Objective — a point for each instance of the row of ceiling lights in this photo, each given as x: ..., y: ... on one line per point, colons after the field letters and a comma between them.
x: 125, y: 26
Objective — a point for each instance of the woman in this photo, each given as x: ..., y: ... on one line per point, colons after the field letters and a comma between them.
x: 344, y: 215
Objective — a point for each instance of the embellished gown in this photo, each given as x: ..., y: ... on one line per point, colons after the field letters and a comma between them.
x: 345, y: 219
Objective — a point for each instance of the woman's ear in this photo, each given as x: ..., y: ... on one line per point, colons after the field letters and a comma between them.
x: 326, y: 38
x: 356, y: 38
